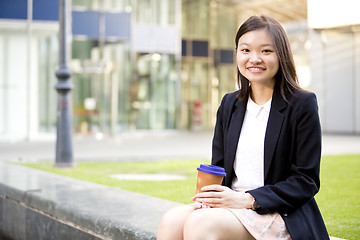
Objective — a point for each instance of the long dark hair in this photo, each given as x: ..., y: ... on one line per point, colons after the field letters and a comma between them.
x: 286, y: 78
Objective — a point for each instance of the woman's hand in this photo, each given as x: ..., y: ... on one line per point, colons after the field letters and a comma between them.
x: 218, y: 196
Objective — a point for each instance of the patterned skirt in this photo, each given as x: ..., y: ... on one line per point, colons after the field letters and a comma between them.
x: 262, y: 226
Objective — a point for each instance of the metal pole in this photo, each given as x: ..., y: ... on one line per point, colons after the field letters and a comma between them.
x: 64, y: 151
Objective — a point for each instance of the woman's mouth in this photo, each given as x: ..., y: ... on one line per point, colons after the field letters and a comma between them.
x: 256, y: 69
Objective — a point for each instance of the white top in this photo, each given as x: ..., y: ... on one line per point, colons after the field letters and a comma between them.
x: 249, y: 159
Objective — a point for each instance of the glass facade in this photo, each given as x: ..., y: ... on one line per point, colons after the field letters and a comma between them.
x: 48, y: 61
x: 101, y: 75
x: 155, y: 84
x: 154, y: 92
x: 28, y: 59
x: 155, y: 12
x: 206, y: 77
x: 102, y: 69
x: 105, y: 5
x: 126, y: 87
x: 137, y: 65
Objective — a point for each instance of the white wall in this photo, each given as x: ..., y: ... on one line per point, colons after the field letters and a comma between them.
x: 14, y: 50
x: 333, y: 13
x: 147, y: 38
x: 18, y: 91
x: 2, y: 84
x: 339, y: 82
x: 357, y: 79
x: 334, y: 60
x: 317, y: 83
x: 33, y: 89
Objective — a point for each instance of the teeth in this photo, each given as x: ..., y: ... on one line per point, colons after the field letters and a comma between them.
x: 256, y: 69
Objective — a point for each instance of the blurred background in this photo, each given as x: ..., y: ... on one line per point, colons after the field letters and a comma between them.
x: 162, y: 65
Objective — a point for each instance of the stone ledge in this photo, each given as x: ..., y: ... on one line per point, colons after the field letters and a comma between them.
x: 45, y: 204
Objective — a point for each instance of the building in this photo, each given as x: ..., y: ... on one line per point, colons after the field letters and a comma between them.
x: 334, y: 53
x: 157, y: 64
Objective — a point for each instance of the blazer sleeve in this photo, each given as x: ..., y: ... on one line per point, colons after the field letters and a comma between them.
x: 301, y: 152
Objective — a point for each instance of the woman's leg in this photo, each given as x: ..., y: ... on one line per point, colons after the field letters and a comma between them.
x: 172, y: 223
x: 214, y: 224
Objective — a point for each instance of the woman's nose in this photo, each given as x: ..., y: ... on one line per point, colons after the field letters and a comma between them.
x: 255, y: 59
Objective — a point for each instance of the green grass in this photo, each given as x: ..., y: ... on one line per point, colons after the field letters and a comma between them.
x: 339, y: 195
x: 175, y: 190
x: 338, y: 198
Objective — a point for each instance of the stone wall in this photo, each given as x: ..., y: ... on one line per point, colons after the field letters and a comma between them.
x: 39, y: 205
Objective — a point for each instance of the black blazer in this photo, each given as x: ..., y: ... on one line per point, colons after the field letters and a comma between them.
x: 292, y: 153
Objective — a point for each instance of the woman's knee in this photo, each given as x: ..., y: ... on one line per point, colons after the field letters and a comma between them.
x: 172, y: 222
x: 200, y: 224
x: 177, y: 214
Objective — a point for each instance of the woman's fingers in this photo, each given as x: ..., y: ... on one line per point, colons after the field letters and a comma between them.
x: 210, y: 191
x: 206, y: 195
x: 212, y: 195
x: 219, y: 196
x: 215, y: 187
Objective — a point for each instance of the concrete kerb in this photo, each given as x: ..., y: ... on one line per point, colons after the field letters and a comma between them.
x: 62, y: 208
x: 41, y: 205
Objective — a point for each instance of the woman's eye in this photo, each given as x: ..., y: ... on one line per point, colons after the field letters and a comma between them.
x: 245, y: 50
x: 267, y: 51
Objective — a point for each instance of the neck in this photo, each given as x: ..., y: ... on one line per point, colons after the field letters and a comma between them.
x: 260, y: 94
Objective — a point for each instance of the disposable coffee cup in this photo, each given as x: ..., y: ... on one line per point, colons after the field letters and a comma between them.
x: 208, y: 175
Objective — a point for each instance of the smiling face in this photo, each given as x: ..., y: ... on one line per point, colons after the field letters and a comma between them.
x: 256, y: 57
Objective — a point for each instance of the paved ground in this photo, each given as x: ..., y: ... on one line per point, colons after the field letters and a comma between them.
x: 127, y: 147
x: 146, y: 147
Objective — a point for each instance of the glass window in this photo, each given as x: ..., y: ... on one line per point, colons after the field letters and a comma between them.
x: 144, y: 13
x: 225, y: 27
x: 165, y: 12
x: 118, y: 5
x: 195, y: 93
x: 48, y: 63
x: 195, y: 19
x: 154, y: 93
x: 157, y: 12
x: 105, y: 5
x: 102, y: 76
x: 88, y: 4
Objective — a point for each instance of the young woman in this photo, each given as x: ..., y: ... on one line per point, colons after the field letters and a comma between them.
x: 268, y: 139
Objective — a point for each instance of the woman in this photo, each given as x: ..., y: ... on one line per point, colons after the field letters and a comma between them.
x: 268, y: 139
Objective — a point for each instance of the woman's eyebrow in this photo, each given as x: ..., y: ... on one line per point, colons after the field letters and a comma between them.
x: 262, y: 45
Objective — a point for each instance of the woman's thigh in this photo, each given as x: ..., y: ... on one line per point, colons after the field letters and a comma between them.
x: 214, y: 223
x: 172, y: 223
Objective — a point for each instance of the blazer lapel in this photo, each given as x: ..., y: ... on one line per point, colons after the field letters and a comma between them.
x: 273, y: 129
x: 235, y: 125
